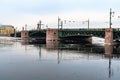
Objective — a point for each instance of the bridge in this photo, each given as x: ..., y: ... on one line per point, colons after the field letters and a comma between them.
x: 101, y: 33
x: 69, y: 35
x: 60, y: 34
x: 110, y: 34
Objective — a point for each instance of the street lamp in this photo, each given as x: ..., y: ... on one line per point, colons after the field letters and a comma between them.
x: 88, y: 21
x: 25, y: 27
x: 111, y: 15
x: 15, y: 32
x: 60, y: 23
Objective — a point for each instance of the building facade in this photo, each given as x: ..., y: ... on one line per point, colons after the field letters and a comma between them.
x: 6, y: 30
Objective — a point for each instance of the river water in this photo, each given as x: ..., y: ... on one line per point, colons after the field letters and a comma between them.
x: 55, y: 61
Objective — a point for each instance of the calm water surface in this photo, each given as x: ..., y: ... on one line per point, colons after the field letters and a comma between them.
x: 53, y: 61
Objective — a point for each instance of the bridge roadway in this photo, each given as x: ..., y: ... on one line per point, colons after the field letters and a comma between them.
x: 88, y: 32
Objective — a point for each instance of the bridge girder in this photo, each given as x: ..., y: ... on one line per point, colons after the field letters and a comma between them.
x: 81, y: 32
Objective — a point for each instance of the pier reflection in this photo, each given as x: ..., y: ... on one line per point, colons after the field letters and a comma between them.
x: 106, y: 51
x: 108, y: 54
x: 85, y: 51
x: 59, y: 52
x: 24, y: 41
x: 52, y: 45
x: 73, y: 61
x: 78, y: 58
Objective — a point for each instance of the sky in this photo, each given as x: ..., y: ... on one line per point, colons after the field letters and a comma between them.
x: 30, y: 12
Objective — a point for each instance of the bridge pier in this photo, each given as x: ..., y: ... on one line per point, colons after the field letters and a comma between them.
x: 109, y: 36
x: 52, y: 35
x: 24, y: 34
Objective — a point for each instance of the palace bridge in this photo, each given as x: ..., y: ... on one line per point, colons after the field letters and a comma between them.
x: 110, y: 34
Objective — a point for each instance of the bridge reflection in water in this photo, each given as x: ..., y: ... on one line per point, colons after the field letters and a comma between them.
x: 88, y: 51
x: 63, y: 58
x: 105, y: 51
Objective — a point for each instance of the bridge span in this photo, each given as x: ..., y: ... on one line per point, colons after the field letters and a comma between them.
x: 110, y: 34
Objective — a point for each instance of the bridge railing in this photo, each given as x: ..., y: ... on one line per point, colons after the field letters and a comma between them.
x: 116, y: 29
x: 83, y: 29
x: 82, y: 32
x: 116, y: 34
x: 97, y: 32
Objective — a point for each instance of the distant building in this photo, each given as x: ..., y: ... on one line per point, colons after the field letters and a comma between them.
x: 6, y: 30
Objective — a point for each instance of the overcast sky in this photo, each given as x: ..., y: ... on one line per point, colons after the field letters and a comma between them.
x: 21, y: 12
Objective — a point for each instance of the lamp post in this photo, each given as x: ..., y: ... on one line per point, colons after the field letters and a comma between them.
x: 25, y: 27
x: 15, y: 32
x: 60, y: 23
x: 39, y: 25
x: 88, y: 21
x: 111, y: 15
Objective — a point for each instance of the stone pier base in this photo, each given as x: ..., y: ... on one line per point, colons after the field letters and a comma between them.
x: 24, y: 34
x: 52, y: 35
x: 109, y: 36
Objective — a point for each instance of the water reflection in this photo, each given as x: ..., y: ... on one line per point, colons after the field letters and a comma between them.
x: 110, y: 71
x: 108, y: 50
x: 52, y: 45
x: 24, y: 41
x: 94, y: 51
x: 108, y: 54
x: 40, y: 51
x: 62, y: 52
x: 6, y: 41
x: 87, y: 51
x: 65, y: 61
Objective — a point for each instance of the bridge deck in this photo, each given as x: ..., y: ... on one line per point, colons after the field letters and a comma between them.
x: 88, y: 32
x: 63, y: 33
